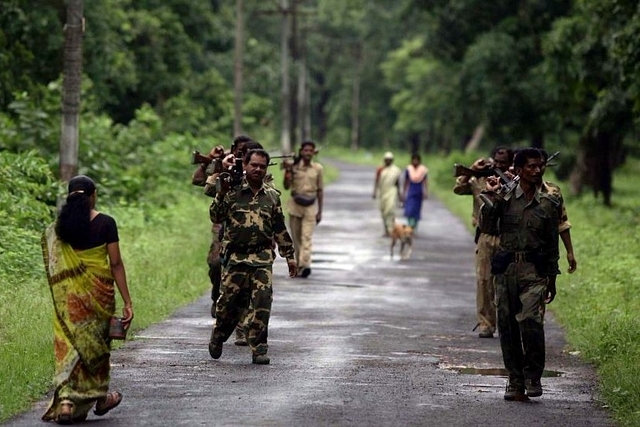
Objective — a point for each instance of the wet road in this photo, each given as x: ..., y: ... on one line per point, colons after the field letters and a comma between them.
x: 365, y: 340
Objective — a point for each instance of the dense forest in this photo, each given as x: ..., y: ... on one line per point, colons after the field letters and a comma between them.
x: 428, y: 75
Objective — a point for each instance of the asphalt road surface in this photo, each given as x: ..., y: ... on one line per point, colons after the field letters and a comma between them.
x: 365, y: 340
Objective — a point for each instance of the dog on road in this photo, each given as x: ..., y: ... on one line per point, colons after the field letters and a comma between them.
x: 404, y: 234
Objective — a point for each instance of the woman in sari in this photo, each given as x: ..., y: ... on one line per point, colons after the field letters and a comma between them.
x: 82, y: 261
x: 416, y: 189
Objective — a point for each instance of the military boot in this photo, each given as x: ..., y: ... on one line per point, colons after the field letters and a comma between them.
x: 260, y: 359
x: 215, y: 349
x: 514, y: 390
x: 534, y: 387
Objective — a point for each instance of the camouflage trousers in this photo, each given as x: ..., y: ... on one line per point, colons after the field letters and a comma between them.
x: 213, y: 260
x: 246, y: 293
x: 485, y: 289
x: 520, y: 296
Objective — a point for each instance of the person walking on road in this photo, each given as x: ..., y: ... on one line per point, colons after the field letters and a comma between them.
x: 387, y: 189
x: 487, y: 242
x: 305, y: 180
x: 252, y: 219
x: 82, y: 261
x: 199, y: 178
x: 525, y: 269
x: 416, y: 190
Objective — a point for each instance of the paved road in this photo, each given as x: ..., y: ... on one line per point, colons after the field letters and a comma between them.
x: 365, y: 340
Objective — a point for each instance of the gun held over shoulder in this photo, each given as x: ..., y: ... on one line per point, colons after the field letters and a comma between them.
x: 460, y: 170
x: 197, y: 158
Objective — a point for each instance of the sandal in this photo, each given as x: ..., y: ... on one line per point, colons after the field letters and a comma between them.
x: 65, y: 412
x: 107, y: 403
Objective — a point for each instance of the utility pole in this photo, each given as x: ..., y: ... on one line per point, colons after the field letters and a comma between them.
x: 285, y: 137
x: 71, y: 85
x: 292, y: 107
x: 238, y: 69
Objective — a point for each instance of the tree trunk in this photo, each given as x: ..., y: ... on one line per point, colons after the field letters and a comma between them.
x: 598, y: 155
x: 238, y: 69
x: 355, y: 100
x: 303, y: 106
x: 285, y: 137
x: 71, y: 86
x: 474, y: 142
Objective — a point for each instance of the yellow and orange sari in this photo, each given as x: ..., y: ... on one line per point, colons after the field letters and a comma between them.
x: 82, y: 288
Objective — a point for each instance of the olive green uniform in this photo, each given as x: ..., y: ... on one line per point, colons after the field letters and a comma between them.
x: 486, y: 246
x: 527, y: 257
x: 251, y: 224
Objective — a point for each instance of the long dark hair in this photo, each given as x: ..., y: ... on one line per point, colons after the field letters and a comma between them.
x: 72, y: 225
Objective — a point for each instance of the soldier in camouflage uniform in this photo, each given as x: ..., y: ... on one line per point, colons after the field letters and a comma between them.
x: 241, y: 144
x: 525, y: 269
x: 199, y: 178
x: 486, y: 242
x: 252, y: 218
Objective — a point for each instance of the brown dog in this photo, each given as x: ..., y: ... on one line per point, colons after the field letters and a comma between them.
x: 404, y: 233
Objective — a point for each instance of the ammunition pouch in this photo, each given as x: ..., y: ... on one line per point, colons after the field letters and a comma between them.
x: 502, y: 259
x: 304, y: 200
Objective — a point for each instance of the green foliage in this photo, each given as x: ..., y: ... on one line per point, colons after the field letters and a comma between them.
x: 27, y: 197
x: 30, y: 40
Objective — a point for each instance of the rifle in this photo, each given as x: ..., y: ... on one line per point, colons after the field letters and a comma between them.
x: 283, y: 156
x: 198, y: 158
x: 509, y: 184
x: 507, y: 187
x: 460, y: 170
x: 230, y: 179
x: 551, y: 157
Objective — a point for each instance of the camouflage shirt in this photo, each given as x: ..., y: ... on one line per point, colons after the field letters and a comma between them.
x: 527, y: 226
x: 252, y: 222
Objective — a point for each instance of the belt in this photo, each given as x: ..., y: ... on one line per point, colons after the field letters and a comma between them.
x: 525, y: 256
x: 249, y: 249
x: 520, y: 257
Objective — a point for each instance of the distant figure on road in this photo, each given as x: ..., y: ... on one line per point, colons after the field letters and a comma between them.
x: 82, y: 262
x: 252, y: 218
x: 305, y: 179
x: 416, y: 190
x: 387, y: 189
x: 487, y: 242
x: 525, y: 269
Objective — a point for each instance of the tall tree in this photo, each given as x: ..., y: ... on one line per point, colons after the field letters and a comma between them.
x: 238, y: 68
x: 285, y: 90
x: 74, y: 30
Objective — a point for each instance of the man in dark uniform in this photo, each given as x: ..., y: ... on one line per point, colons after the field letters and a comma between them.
x: 252, y: 218
x: 525, y: 269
